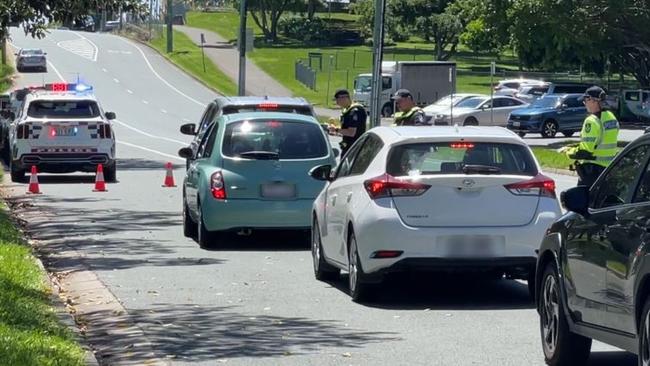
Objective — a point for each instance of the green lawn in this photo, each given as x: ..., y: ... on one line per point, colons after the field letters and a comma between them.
x: 346, y: 62
x: 29, y: 330
x: 187, y: 56
x: 549, y: 158
x: 5, y: 73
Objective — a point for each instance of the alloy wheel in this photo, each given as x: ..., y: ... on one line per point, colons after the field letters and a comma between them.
x: 550, y: 129
x: 315, y: 246
x: 353, y: 270
x: 550, y: 314
x: 644, y: 352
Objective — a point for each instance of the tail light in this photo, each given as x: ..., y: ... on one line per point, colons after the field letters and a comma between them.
x: 22, y: 131
x: 540, y: 185
x: 389, y: 186
x: 218, y: 186
x: 104, y: 131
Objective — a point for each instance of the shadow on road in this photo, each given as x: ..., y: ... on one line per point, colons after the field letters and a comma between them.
x: 612, y: 358
x: 145, y: 164
x: 262, y: 240
x: 421, y: 291
x: 195, y: 333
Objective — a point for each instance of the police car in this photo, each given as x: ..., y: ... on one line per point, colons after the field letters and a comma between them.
x: 61, y: 128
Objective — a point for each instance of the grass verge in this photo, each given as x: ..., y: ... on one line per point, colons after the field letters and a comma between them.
x: 549, y: 158
x: 187, y: 56
x: 30, y: 333
x: 5, y: 77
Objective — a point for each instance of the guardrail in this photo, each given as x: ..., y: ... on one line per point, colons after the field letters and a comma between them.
x: 305, y: 75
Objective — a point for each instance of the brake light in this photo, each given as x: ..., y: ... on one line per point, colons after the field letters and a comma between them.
x: 540, y: 185
x: 268, y: 105
x: 389, y: 186
x: 22, y: 132
x: 462, y: 145
x: 52, y: 132
x: 218, y: 186
x: 104, y: 131
x: 386, y: 254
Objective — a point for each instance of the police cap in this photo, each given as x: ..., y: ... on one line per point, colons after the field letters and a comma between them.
x: 402, y: 93
x: 595, y: 92
x: 341, y: 93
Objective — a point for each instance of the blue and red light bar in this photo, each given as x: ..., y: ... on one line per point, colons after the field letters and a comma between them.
x: 63, y: 87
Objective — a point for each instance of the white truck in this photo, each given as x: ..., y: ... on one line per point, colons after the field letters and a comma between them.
x: 428, y: 81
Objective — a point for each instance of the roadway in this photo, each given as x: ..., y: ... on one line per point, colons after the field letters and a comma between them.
x: 144, y: 293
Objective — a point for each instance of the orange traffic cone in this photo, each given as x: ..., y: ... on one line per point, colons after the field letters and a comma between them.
x: 169, y: 177
x: 33, y: 182
x: 100, y: 184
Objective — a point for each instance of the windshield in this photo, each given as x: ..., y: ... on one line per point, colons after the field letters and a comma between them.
x: 63, y: 109
x: 546, y: 102
x: 460, y: 158
x: 32, y: 52
x: 362, y: 84
x: 264, y: 139
x: 471, y: 102
x: 298, y: 109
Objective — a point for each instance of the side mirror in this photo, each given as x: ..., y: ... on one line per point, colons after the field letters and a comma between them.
x: 576, y: 199
x: 336, y: 152
x: 186, y: 153
x: 110, y: 116
x: 188, y: 129
x: 321, y: 172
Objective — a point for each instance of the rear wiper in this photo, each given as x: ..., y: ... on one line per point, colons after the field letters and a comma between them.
x: 260, y: 155
x: 480, y: 169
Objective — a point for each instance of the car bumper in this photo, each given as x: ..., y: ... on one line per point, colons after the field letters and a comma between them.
x: 256, y: 214
x: 383, y: 229
x: 64, y: 163
x: 524, y: 126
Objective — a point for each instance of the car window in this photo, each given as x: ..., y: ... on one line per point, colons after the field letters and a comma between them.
x: 201, y: 151
x: 366, y: 154
x: 539, y: 91
x: 268, y: 107
x: 287, y: 139
x: 386, y: 82
x: 632, y: 96
x: 209, y: 145
x: 439, y: 158
x: 344, y: 167
x: 500, y: 102
x: 63, y: 109
x: 617, y: 186
x: 642, y: 193
x: 572, y: 102
x: 511, y: 85
x: 208, y: 116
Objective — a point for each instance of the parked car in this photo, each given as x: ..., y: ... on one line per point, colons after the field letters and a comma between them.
x: 567, y: 88
x: 511, y: 86
x: 86, y: 23
x: 250, y: 171
x: 411, y: 198
x: 478, y: 111
x: 593, y: 272
x: 530, y: 93
x: 31, y: 58
x: 549, y: 115
x: 444, y: 103
x: 229, y: 105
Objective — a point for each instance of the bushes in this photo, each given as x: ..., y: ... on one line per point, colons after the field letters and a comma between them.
x: 317, y: 31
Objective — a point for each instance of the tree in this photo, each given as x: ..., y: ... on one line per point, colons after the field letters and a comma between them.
x: 478, y: 37
x: 366, y: 11
x: 267, y: 13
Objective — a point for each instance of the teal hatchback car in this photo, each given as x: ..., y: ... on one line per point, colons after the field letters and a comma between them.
x: 251, y: 171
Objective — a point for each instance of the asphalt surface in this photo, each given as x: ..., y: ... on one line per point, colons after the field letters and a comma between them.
x: 256, y: 301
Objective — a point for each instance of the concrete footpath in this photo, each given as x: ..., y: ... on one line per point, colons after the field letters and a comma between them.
x: 226, y: 57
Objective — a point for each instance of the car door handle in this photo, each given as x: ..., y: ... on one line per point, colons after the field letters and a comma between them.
x: 334, y: 201
x: 348, y: 197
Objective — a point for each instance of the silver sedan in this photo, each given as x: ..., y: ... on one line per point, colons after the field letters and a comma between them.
x: 31, y: 58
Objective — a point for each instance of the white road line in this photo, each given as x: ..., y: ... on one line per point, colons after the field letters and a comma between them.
x: 56, y: 71
x: 160, y: 77
x: 129, y: 91
x: 145, y: 102
x: 92, y: 43
x: 150, y: 135
x: 164, y: 111
x: 151, y: 150
x: 104, y: 70
x: 115, y: 80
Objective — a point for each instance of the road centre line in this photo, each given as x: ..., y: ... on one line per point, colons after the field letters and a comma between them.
x: 115, y: 80
x: 145, y: 102
x: 129, y: 91
x: 158, y: 76
x: 150, y: 135
x: 150, y: 150
x: 56, y: 71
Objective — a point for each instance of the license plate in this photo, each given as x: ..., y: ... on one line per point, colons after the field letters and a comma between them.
x: 278, y: 190
x: 516, y: 124
x: 471, y: 246
x: 66, y: 131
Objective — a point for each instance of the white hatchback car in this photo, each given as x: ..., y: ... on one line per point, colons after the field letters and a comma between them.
x: 439, y: 198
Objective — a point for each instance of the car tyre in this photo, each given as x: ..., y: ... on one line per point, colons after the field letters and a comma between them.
x: 470, y: 121
x: 110, y: 173
x: 549, y: 128
x: 323, y: 271
x: 561, y: 347
x: 205, y: 237
x: 644, y: 334
x: 190, y: 229
x: 568, y: 133
x: 360, y: 290
x: 17, y: 174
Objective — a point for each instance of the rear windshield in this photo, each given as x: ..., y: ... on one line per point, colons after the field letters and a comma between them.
x: 304, y: 110
x: 460, y: 158
x: 32, y: 52
x: 63, y: 109
x: 282, y: 139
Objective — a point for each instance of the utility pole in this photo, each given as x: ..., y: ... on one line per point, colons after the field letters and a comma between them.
x: 242, y: 48
x: 378, y: 45
x: 170, y: 33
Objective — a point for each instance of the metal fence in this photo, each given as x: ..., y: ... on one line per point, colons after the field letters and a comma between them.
x: 305, y: 75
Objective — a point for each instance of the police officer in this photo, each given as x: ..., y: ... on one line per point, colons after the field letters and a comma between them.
x: 598, y: 138
x: 408, y: 113
x: 353, y: 120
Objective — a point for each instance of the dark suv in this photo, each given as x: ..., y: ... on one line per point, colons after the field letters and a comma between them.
x: 593, y: 271
x: 230, y: 105
x: 549, y: 115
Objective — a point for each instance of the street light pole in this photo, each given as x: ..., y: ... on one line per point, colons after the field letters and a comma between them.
x: 242, y: 48
x: 378, y: 45
x: 170, y: 34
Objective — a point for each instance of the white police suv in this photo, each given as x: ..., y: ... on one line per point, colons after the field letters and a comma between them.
x: 61, y: 128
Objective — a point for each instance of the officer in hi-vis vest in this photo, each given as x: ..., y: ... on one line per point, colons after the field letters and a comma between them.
x: 408, y: 113
x: 598, y: 138
x: 353, y: 120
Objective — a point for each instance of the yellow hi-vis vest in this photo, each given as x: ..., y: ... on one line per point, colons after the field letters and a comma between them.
x: 599, y: 136
x: 401, y: 117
